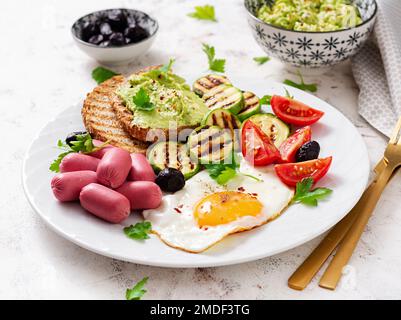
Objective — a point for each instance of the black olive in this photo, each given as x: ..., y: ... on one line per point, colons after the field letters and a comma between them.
x: 117, y: 39
x: 96, y: 39
x: 308, y: 151
x: 73, y: 137
x: 170, y: 180
x: 117, y: 19
x: 105, y: 29
x: 89, y: 29
x: 138, y: 33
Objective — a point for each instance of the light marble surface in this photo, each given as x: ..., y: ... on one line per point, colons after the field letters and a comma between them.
x: 43, y: 72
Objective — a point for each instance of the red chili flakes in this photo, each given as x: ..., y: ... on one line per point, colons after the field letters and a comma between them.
x: 242, y: 189
x: 177, y: 210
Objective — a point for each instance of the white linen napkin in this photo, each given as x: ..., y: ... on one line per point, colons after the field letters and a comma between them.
x: 377, y: 70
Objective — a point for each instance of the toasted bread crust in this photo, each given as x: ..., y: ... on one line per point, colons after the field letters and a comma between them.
x: 101, y: 120
x: 144, y: 134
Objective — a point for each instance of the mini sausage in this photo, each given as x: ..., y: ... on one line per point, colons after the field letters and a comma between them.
x: 105, y: 203
x: 114, y: 167
x: 78, y: 162
x: 67, y: 186
x: 141, y: 194
x: 101, y: 152
x: 141, y: 169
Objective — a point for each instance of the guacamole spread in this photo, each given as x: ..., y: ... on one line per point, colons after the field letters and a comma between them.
x: 173, y: 103
x: 311, y: 15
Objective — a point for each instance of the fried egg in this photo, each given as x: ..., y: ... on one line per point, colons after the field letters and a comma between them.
x: 204, y: 212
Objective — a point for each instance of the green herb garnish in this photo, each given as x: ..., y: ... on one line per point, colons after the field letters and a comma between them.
x: 101, y: 74
x: 167, y: 67
x: 288, y: 94
x: 265, y: 100
x: 304, y: 194
x: 224, y: 172
x: 214, y: 64
x: 205, y: 12
x: 137, y: 292
x: 261, y: 60
x: 142, y: 100
x: 82, y: 144
x: 312, y: 87
x: 139, y: 231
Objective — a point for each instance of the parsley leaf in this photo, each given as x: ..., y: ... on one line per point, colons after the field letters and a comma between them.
x: 55, y: 165
x: 205, y: 12
x: 312, y: 87
x: 304, y: 194
x: 137, y: 292
x: 139, y: 231
x: 142, y: 100
x: 101, y: 74
x: 83, y: 143
x: 225, y: 175
x: 265, y: 100
x: 223, y: 172
x: 167, y: 67
x: 261, y: 60
x: 217, y: 65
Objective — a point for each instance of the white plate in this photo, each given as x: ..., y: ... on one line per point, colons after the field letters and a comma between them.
x: 347, y: 177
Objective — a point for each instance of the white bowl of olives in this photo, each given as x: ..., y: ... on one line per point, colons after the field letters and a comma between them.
x: 115, y: 36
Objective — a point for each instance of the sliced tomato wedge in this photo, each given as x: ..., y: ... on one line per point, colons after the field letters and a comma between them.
x: 257, y: 147
x: 291, y: 173
x: 290, y: 146
x: 294, y: 112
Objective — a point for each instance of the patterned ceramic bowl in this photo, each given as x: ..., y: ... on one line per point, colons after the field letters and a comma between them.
x: 311, y: 49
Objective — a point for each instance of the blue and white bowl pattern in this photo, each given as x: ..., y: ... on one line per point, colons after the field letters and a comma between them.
x: 311, y: 49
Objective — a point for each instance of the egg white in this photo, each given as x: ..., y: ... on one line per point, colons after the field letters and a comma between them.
x: 173, y: 221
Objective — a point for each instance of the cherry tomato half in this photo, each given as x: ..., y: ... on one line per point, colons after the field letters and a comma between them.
x: 257, y: 147
x: 291, y: 173
x: 290, y: 146
x: 294, y: 112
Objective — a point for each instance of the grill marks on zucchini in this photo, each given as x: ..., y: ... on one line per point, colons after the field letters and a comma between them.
x: 250, y: 100
x: 226, y: 97
x: 170, y: 154
x: 225, y: 120
x: 204, y: 84
x: 251, y: 106
x: 272, y: 126
x: 210, y: 144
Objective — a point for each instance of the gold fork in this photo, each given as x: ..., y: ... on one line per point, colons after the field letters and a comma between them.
x: 392, y: 158
x: 307, y: 270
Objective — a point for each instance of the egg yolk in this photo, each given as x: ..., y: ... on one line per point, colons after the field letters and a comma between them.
x: 224, y: 207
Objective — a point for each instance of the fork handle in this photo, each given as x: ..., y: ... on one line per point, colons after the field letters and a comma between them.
x: 307, y: 270
x: 332, y: 274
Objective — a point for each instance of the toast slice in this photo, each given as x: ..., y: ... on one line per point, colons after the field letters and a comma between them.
x: 144, y: 134
x: 101, y: 121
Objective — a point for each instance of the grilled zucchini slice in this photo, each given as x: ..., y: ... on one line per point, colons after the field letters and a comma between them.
x: 272, y: 126
x: 224, y: 96
x: 210, y: 144
x: 251, y: 106
x: 226, y: 120
x: 204, y: 84
x: 171, y: 154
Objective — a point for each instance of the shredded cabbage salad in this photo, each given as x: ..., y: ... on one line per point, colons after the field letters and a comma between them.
x: 311, y: 15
